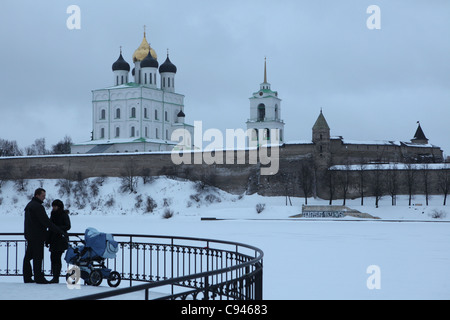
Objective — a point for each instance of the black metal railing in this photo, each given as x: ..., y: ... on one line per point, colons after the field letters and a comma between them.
x: 174, y: 267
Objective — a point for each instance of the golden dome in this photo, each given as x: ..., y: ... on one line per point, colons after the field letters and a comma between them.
x: 142, y: 51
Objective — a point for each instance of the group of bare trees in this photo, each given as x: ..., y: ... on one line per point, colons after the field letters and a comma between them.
x: 380, y: 180
x: 10, y: 148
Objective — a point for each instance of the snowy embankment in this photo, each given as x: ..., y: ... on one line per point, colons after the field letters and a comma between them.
x: 303, y: 258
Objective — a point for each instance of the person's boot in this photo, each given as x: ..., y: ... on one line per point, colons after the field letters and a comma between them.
x: 56, y: 271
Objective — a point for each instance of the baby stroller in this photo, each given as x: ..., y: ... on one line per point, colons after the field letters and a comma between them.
x: 90, y: 258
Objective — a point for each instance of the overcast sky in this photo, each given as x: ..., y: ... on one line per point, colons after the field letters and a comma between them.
x: 371, y: 84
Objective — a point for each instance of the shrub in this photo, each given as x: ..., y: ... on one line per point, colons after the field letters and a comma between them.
x: 110, y: 202
x: 438, y: 214
x: 260, y: 207
x: 139, y: 201
x: 168, y: 213
x: 150, y: 205
x: 212, y: 198
x: 167, y: 202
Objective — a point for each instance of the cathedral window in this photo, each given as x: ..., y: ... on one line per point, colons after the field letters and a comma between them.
x: 145, y: 78
x: 157, y: 133
x: 133, y: 131
x: 168, y: 79
x: 102, y: 133
x: 117, y: 113
x: 166, y: 117
x: 145, y: 113
x: 133, y: 112
x: 103, y: 114
x: 156, y: 114
x: 117, y: 132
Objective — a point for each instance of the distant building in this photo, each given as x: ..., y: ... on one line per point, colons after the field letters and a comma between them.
x: 327, y: 150
x: 139, y: 115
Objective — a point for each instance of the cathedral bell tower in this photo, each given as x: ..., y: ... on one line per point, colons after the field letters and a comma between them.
x: 265, y: 115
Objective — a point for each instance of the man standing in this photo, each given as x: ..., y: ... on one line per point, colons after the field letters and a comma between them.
x: 36, y: 224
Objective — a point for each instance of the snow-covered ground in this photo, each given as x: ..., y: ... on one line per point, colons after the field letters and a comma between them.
x: 303, y: 258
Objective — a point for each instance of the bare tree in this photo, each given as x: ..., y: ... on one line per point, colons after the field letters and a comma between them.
x: 444, y: 181
x: 129, y: 177
x: 377, y: 185
x: 362, y: 180
x: 37, y: 148
x: 63, y: 146
x: 410, y: 179
x: 392, y: 182
x: 425, y: 169
x: 343, y: 182
x: 330, y: 181
x: 9, y: 148
x: 306, y: 176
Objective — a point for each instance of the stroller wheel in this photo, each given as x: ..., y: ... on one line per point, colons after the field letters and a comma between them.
x: 95, y: 278
x: 114, y: 279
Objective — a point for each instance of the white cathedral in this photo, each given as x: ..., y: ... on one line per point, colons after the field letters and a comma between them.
x: 138, y: 116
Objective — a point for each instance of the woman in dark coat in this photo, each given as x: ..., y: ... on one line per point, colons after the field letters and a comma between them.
x: 57, y: 243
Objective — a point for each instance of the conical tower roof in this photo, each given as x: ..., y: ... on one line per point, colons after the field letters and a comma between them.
x: 419, y: 134
x: 321, y: 123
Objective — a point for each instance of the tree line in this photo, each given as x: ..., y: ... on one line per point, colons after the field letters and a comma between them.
x: 343, y: 182
x: 10, y: 148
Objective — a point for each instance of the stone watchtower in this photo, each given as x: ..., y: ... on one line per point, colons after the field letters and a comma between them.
x: 321, y: 140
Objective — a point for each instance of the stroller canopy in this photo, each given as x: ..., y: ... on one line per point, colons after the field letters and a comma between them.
x: 102, y: 244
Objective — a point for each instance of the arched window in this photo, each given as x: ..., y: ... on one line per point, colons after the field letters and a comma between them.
x: 145, y: 113
x: 103, y: 114
x: 118, y: 113
x: 102, y: 133
x: 166, y: 117
x: 117, y: 132
x: 261, y: 112
x: 267, y: 134
x: 156, y: 114
x: 133, y: 112
x: 133, y: 131
x: 168, y: 79
x: 157, y: 133
x: 145, y: 78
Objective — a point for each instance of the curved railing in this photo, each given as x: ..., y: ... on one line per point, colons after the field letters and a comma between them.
x: 168, y: 267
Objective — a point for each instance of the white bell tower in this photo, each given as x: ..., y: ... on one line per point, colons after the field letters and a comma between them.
x: 265, y: 115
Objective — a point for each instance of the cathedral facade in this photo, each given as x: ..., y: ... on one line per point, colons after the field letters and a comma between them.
x: 138, y: 115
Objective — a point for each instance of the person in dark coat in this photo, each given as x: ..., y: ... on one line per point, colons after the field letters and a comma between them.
x: 58, y: 244
x: 35, y: 225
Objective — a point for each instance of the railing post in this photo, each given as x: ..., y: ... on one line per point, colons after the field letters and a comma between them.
x: 259, y: 281
x: 206, y: 291
x: 131, y: 261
